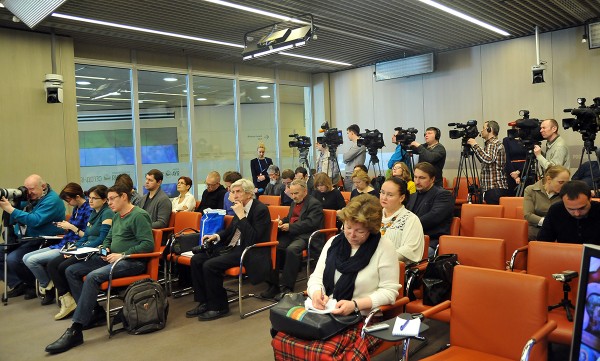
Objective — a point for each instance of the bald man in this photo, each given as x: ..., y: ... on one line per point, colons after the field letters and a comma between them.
x: 212, y: 197
x: 31, y: 218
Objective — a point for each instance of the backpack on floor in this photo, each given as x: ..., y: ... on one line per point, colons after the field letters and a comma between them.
x: 145, y: 307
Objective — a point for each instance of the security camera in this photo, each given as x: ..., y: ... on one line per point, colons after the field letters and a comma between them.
x: 53, y: 85
x: 538, y: 73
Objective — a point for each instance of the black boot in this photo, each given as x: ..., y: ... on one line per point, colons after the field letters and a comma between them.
x: 49, y: 297
x: 67, y: 341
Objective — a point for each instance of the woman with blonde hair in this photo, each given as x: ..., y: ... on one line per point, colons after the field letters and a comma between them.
x: 362, y: 182
x: 400, y: 169
x: 259, y: 166
x: 541, y: 195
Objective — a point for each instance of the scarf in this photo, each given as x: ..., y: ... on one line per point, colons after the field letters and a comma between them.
x: 338, y: 258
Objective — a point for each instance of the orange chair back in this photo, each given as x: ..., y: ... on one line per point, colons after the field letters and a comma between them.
x: 463, y: 189
x: 172, y: 219
x: 279, y: 211
x: 475, y: 251
x: 329, y: 218
x: 270, y: 200
x: 514, y: 232
x: 153, y: 263
x: 469, y: 211
x: 444, y: 182
x: 227, y: 221
x: 496, y: 312
x: 182, y: 220
x: 519, y: 214
x: 455, y: 226
x: 346, y: 196
x: 426, y: 247
x: 510, y: 206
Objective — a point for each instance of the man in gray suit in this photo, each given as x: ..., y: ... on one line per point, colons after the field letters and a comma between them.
x: 354, y: 156
x: 156, y: 202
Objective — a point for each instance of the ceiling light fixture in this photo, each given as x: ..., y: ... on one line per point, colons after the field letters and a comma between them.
x: 465, y: 17
x: 170, y: 79
x: 82, y: 82
x: 107, y: 95
x: 144, y: 30
x: 257, y: 11
x: 265, y: 96
x: 201, y: 99
x: 90, y: 77
x: 316, y: 59
x: 262, y: 87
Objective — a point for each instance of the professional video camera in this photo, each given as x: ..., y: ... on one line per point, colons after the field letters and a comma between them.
x: 527, y: 130
x: 332, y: 137
x: 405, y: 136
x: 465, y: 131
x: 565, y: 276
x: 302, y: 141
x: 372, y: 140
x: 14, y: 195
x: 586, y: 119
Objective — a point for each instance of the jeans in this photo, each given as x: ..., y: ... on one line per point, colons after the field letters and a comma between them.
x: 37, y: 260
x: 97, y: 271
x: 17, y: 271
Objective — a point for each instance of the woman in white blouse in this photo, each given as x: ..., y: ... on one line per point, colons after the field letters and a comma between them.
x: 185, y: 201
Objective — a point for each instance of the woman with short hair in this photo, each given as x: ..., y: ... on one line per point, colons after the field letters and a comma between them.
x: 362, y: 182
x: 185, y: 201
x: 330, y: 197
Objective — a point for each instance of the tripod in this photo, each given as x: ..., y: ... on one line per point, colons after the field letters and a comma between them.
x: 529, y: 175
x: 332, y: 165
x: 588, y: 148
x: 303, y: 158
x: 410, y: 160
x: 565, y: 302
x: 467, y: 169
x: 374, y: 161
x: 5, y: 248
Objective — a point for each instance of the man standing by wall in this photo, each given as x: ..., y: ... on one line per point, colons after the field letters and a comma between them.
x: 556, y: 151
x: 432, y: 152
x: 354, y: 156
x: 156, y: 202
x: 493, y: 158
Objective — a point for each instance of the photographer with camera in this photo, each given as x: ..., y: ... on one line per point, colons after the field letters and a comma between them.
x: 432, y: 152
x: 354, y: 156
x: 35, y: 214
x: 250, y: 225
x: 574, y: 219
x: 556, y: 151
x: 493, y: 158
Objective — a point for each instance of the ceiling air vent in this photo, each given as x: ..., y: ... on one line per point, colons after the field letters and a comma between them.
x: 415, y: 65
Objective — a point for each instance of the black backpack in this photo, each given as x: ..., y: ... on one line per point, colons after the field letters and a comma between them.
x: 145, y: 307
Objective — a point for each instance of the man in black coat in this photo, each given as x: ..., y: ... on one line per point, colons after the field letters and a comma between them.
x: 213, y: 195
x: 305, y: 217
x: 433, y: 205
x: 251, y: 224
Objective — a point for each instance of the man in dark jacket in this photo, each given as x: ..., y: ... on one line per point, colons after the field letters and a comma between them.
x: 251, y: 224
x: 305, y: 217
x: 212, y: 197
x: 432, y: 152
x: 433, y: 205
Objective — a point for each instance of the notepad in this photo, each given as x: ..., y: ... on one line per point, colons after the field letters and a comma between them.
x: 330, y: 306
x: 411, y: 329
x: 81, y: 250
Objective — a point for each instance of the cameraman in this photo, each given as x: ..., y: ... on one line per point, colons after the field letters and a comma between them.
x: 326, y: 162
x: 33, y: 218
x: 354, y: 156
x: 493, y: 158
x: 556, y: 151
x: 434, y: 153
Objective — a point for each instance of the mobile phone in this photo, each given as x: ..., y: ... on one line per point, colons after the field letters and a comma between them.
x: 104, y: 252
x: 377, y: 327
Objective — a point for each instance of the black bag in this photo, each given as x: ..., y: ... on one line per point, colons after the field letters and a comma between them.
x: 437, y: 279
x: 290, y: 316
x: 145, y: 307
x: 182, y: 242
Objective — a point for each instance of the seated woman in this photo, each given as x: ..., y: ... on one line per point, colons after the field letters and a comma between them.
x: 97, y: 228
x: 399, y: 225
x: 330, y: 198
x: 539, y: 196
x: 400, y: 169
x: 185, y: 201
x: 358, y: 268
x: 362, y: 182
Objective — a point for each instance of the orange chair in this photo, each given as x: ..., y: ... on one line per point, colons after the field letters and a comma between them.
x: 329, y: 229
x: 470, y: 211
x: 279, y: 211
x: 270, y: 200
x: 546, y: 258
x: 151, y: 272
x: 346, y: 196
x: 514, y: 232
x: 519, y: 213
x: 455, y: 226
x: 463, y: 190
x: 510, y: 206
x: 496, y: 315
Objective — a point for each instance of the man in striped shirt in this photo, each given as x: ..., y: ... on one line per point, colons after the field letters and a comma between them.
x: 492, y: 157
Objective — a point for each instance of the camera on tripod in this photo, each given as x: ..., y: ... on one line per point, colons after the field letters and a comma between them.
x: 586, y: 118
x: 302, y: 141
x: 565, y: 276
x: 405, y: 136
x: 372, y: 140
x: 14, y: 195
x: 332, y: 137
x: 527, y: 130
x: 464, y: 130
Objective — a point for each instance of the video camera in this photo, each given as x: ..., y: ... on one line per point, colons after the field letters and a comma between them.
x: 565, y: 276
x: 405, y: 136
x: 301, y: 142
x: 464, y: 130
x: 332, y: 137
x: 14, y: 195
x: 372, y: 140
x: 586, y: 118
x: 527, y: 130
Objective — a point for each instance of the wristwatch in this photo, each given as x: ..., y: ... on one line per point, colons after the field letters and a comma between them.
x: 356, y: 310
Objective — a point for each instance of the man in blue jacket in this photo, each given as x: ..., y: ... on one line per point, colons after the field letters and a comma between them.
x: 32, y: 218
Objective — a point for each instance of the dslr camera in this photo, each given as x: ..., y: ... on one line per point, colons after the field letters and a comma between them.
x: 371, y: 139
x: 586, y: 118
x: 527, y: 130
x: 405, y: 136
x: 565, y: 276
x: 332, y: 137
x: 302, y: 141
x: 464, y: 130
x: 14, y: 195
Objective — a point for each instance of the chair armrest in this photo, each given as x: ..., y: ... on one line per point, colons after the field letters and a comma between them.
x: 435, y: 309
x: 143, y: 255
x: 540, y: 334
x: 262, y: 244
x: 511, y: 265
x: 396, y: 308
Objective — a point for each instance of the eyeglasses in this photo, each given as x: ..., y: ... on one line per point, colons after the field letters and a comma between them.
x: 111, y: 199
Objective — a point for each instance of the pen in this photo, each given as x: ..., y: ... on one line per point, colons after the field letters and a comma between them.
x: 322, y: 293
x: 404, y: 325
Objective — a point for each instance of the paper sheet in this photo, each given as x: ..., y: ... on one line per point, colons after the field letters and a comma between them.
x: 411, y: 329
x: 330, y: 306
x: 81, y: 250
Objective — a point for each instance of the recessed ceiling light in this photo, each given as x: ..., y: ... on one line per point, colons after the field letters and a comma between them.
x: 316, y: 59
x: 185, y: 90
x: 78, y: 105
x: 265, y: 96
x: 82, y: 82
x: 262, y: 87
x: 170, y: 79
x: 201, y: 99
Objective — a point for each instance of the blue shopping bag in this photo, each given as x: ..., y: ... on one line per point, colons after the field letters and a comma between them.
x: 212, y: 222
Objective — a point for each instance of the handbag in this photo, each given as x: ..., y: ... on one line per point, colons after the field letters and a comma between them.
x: 212, y: 221
x: 290, y: 316
x: 437, y: 279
